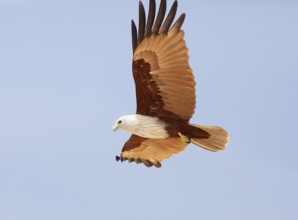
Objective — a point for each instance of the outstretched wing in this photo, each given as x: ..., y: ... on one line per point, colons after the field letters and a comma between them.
x: 150, y: 151
x: 163, y: 78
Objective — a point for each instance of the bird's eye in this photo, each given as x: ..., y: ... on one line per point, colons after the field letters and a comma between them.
x: 119, y: 122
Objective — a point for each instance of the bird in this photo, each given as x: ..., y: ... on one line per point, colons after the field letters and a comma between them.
x: 165, y: 92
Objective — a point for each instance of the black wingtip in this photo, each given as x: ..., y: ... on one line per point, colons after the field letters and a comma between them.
x: 171, y: 16
x: 177, y: 26
x: 134, y: 36
x: 151, y: 16
x: 117, y: 158
x: 142, y: 22
x: 160, y: 16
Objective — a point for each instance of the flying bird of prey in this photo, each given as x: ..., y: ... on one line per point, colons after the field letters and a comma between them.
x: 165, y: 92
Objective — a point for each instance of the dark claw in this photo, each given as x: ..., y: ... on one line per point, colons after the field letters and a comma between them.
x: 117, y: 158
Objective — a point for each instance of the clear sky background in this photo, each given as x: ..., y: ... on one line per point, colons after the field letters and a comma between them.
x: 65, y: 77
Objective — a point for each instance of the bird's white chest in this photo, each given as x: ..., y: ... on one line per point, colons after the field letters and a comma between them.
x: 148, y: 127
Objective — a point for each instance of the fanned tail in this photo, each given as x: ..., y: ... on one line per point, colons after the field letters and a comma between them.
x: 218, y: 140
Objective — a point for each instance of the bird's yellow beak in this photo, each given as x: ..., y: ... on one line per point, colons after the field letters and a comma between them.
x: 115, y: 127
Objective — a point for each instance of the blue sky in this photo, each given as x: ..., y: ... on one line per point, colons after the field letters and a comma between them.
x: 65, y: 77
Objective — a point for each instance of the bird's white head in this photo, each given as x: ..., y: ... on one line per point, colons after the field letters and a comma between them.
x: 142, y: 125
x: 122, y: 123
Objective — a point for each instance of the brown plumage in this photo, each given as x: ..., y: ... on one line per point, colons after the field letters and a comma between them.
x: 165, y: 90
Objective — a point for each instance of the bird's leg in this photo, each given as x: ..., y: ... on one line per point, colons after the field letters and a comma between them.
x: 183, y: 138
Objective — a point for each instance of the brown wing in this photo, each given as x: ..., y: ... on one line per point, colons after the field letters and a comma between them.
x: 150, y: 151
x: 164, y: 80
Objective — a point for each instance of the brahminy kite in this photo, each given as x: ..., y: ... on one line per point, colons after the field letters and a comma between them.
x: 165, y: 93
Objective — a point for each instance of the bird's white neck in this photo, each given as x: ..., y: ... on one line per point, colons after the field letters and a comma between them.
x: 145, y: 126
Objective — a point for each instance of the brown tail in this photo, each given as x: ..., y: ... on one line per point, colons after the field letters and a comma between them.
x: 218, y: 140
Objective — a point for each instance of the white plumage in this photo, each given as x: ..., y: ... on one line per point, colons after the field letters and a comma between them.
x: 143, y: 126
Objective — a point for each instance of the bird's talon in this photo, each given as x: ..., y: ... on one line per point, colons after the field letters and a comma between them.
x: 183, y: 138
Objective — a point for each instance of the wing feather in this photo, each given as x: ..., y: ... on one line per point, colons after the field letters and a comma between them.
x: 168, y: 22
x: 134, y: 36
x: 151, y: 17
x: 176, y: 27
x: 164, y: 80
x: 151, y: 151
x: 160, y: 16
x: 142, y: 22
